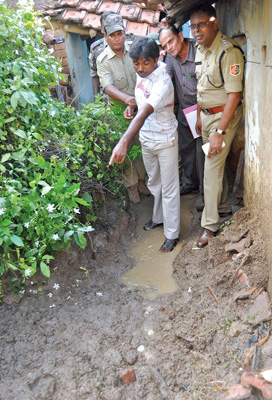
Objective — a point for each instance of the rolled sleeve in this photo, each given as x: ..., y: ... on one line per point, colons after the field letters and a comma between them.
x: 104, y: 74
x: 233, y: 71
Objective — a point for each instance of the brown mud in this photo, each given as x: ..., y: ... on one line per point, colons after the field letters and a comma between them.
x: 76, y: 335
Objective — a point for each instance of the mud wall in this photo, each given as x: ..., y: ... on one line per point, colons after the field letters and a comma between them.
x: 254, y: 19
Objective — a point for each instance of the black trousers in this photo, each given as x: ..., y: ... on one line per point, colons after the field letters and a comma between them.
x: 192, y: 158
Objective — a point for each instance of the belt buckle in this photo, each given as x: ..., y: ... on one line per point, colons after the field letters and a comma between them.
x: 206, y: 111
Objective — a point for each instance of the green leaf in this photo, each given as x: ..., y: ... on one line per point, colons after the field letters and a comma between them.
x: 46, y: 189
x: 6, y: 222
x: 67, y: 235
x: 20, y: 133
x: 5, y: 157
x: 45, y: 269
x: 17, y: 240
x: 14, y: 99
x: 81, y: 201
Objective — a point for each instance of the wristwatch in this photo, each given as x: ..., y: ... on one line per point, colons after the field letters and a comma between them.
x: 220, y: 131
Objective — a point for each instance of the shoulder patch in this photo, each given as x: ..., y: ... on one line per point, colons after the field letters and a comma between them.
x: 235, y: 69
x: 97, y: 43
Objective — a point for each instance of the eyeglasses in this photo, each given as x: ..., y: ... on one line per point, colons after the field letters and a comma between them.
x: 201, y: 25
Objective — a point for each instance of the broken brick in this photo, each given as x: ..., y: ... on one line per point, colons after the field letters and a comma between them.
x: 244, y: 294
x: 239, y: 392
x: 253, y: 379
x: 260, y: 311
x: 238, y: 246
x: 129, y: 377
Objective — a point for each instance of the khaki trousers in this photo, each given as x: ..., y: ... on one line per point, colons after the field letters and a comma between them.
x: 215, y: 182
x: 136, y: 169
x: 161, y: 163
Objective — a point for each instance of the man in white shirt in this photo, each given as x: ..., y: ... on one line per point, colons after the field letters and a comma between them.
x: 157, y: 124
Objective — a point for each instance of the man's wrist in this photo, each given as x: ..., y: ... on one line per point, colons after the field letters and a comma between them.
x: 220, y: 131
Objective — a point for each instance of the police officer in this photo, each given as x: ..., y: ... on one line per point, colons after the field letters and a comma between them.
x: 97, y: 48
x: 118, y: 78
x: 219, y: 69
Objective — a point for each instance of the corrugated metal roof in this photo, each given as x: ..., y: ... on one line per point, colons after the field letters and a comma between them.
x: 138, y: 18
x: 178, y: 11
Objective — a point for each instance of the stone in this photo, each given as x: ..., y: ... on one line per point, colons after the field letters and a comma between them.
x: 239, y: 392
x: 234, y: 237
x: 244, y: 294
x: 129, y: 377
x: 260, y: 311
x: 131, y: 357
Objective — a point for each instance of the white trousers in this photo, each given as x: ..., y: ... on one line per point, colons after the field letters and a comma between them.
x: 161, y: 164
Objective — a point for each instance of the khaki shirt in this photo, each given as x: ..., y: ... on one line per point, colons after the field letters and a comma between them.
x: 211, y: 91
x: 117, y: 71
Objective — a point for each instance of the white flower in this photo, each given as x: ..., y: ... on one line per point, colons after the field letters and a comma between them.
x: 50, y: 207
x: 28, y: 272
x: 51, y: 50
x: 55, y: 236
x: 53, y: 306
x: 26, y: 225
x: 37, y: 244
x: 56, y: 286
x: 47, y: 261
x: 52, y: 113
x: 2, y: 211
x: 60, y: 69
x: 99, y: 294
x: 16, y: 52
x: 50, y: 295
x: 76, y: 210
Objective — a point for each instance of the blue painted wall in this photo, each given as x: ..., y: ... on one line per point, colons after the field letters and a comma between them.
x: 79, y: 69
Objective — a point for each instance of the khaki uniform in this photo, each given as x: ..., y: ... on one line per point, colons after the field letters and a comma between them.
x: 113, y: 70
x: 212, y: 91
x: 117, y: 71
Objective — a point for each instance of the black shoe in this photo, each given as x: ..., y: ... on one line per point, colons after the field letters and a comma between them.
x: 225, y: 214
x: 199, y: 207
x: 186, y: 190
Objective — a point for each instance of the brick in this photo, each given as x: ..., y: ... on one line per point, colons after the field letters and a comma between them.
x: 60, y: 46
x: 239, y: 246
x: 239, y: 392
x: 69, y: 3
x: 64, y: 62
x: 67, y: 80
x: 60, y: 54
x: 260, y: 311
x: 129, y: 377
x: 253, y: 379
x: 65, y: 70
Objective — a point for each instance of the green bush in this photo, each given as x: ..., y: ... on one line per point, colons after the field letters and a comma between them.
x: 53, y: 158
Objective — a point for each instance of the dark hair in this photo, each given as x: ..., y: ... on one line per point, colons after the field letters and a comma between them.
x: 205, y: 8
x: 144, y: 47
x: 104, y: 16
x: 170, y: 28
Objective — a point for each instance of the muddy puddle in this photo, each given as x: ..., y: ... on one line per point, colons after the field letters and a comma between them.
x: 153, y: 271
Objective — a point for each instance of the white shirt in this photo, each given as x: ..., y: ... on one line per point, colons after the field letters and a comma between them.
x: 158, y: 91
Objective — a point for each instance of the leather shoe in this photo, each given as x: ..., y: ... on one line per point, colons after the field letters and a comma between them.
x: 225, y: 214
x: 204, y: 237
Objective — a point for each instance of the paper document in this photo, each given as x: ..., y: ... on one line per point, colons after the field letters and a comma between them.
x: 206, y: 147
x: 191, y: 117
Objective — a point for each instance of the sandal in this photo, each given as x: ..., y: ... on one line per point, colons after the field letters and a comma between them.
x: 150, y: 225
x: 168, y: 245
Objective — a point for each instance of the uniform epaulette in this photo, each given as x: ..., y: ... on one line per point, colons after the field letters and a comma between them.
x: 96, y: 43
x: 227, y: 44
x: 102, y: 56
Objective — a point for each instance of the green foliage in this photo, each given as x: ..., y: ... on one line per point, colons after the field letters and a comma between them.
x: 54, y: 159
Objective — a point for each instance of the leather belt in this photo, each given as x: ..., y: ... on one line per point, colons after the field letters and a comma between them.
x: 214, y: 110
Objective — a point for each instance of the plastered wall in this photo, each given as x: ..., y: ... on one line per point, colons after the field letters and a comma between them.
x: 254, y: 19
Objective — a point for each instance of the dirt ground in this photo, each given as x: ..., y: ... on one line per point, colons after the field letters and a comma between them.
x: 83, y: 335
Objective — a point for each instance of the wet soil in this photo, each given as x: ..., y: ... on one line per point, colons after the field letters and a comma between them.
x: 76, y: 335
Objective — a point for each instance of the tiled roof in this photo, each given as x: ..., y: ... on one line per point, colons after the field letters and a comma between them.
x: 138, y: 18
